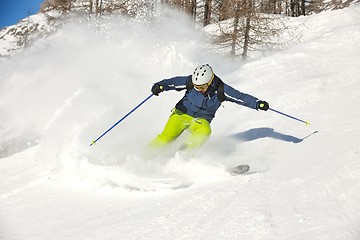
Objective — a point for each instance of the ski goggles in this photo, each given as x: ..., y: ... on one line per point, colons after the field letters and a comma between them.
x: 203, y: 87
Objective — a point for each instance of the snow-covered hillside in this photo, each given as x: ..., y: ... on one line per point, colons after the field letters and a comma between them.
x: 63, y: 92
x: 15, y: 38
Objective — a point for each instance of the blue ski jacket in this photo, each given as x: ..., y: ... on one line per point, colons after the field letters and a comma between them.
x: 205, y: 105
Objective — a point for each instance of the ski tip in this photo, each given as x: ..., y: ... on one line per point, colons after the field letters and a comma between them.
x: 92, y: 143
x: 307, y: 123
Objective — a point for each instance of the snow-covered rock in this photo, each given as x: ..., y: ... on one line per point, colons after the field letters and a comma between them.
x: 16, y: 37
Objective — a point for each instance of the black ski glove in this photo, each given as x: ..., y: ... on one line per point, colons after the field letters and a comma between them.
x: 156, y: 89
x: 262, y: 105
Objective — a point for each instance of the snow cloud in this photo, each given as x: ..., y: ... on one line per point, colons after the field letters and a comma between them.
x: 66, y: 90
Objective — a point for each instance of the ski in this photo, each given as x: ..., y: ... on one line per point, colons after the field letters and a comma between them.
x: 238, y: 170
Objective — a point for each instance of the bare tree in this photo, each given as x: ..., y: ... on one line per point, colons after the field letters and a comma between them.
x: 297, y: 8
x: 225, y: 9
x: 63, y: 5
x: 190, y: 7
x: 207, y: 12
x: 235, y: 33
x: 249, y: 29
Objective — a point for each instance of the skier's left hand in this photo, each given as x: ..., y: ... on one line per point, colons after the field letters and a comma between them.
x: 262, y: 105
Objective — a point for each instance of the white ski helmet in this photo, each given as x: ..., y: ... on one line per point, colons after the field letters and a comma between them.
x: 203, y: 74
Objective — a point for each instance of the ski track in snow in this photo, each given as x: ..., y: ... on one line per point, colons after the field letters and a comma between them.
x: 303, y: 185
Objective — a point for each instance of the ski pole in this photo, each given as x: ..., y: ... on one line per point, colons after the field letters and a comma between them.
x: 94, y: 141
x: 306, y: 122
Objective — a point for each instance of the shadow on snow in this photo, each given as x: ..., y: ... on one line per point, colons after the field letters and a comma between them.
x: 258, y: 133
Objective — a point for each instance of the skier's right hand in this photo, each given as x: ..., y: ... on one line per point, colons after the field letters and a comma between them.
x: 156, y: 89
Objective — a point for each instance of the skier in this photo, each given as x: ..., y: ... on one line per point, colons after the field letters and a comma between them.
x: 204, y: 94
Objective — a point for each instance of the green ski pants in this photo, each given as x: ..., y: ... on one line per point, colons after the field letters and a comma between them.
x: 199, y: 129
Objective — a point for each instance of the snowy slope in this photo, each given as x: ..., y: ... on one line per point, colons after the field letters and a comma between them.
x: 59, y: 96
x: 15, y: 38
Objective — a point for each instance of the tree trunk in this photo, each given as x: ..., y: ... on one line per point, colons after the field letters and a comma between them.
x: 90, y: 6
x: 224, y: 10
x: 193, y: 9
x: 190, y: 7
x: 246, y: 38
x: 235, y: 30
x: 207, y: 13
x: 303, y: 7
